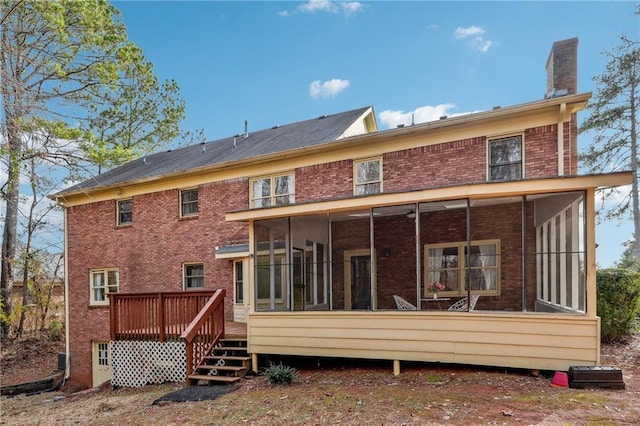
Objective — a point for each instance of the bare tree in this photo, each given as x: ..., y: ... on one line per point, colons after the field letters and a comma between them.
x: 70, y: 78
x: 614, y: 119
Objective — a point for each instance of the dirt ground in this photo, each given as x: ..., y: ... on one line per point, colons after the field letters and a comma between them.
x: 354, y: 394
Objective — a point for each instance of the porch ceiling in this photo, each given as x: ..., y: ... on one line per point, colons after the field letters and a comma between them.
x: 473, y: 191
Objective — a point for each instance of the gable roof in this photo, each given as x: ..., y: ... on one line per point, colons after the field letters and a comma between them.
x: 302, y: 134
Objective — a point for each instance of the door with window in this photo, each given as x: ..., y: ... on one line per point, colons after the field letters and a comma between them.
x: 299, y: 280
x: 240, y: 291
x: 358, y: 273
x: 101, y: 363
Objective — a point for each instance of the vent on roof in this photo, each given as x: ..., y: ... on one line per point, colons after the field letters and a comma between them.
x: 444, y: 117
x: 400, y: 126
x: 322, y: 117
x: 275, y: 127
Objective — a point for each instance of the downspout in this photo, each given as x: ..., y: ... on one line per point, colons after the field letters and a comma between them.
x: 372, y: 257
x: 67, y: 348
x: 525, y: 250
x: 561, y: 117
x: 418, y: 271
x: 468, y: 256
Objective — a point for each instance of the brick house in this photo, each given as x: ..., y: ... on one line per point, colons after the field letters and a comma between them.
x: 318, y: 230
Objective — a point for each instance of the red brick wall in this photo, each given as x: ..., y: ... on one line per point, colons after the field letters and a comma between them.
x: 435, y: 165
x: 328, y: 180
x: 461, y: 161
x: 148, y: 254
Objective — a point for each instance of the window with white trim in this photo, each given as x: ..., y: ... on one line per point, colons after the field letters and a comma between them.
x: 449, y: 264
x: 125, y: 212
x: 276, y: 190
x: 189, y: 202
x: 103, y: 282
x: 505, y: 158
x: 238, y: 279
x: 193, y: 276
x: 271, y: 276
x: 367, y: 176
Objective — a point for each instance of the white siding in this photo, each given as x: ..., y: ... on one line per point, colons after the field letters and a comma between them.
x: 534, y: 341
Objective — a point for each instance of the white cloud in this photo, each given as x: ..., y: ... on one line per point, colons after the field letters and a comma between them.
x: 351, y: 8
x: 468, y: 32
x: 481, y: 44
x: 326, y: 6
x: 313, y: 6
x: 423, y: 114
x: 330, y: 88
x: 475, y: 35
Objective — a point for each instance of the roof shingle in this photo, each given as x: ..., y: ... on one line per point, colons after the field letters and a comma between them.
x: 324, y: 129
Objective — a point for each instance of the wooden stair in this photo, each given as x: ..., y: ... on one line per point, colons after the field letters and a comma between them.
x: 227, y: 363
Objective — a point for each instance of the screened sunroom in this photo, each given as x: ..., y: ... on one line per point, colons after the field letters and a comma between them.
x: 517, y: 253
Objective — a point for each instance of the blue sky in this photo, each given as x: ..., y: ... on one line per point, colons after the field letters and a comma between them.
x: 278, y: 62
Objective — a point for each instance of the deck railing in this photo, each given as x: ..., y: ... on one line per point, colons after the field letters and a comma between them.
x: 204, y: 331
x: 155, y: 316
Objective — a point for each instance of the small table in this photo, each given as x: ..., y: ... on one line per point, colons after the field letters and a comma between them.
x: 439, y: 299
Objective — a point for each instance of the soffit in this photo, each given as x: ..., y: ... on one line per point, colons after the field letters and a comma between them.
x: 473, y: 191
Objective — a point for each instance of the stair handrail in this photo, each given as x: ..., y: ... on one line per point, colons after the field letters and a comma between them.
x: 207, y: 327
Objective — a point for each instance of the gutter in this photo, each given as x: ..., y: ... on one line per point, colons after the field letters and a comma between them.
x: 560, y: 131
x: 67, y: 333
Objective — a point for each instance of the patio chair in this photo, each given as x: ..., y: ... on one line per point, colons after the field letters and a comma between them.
x: 461, y: 305
x: 403, y: 304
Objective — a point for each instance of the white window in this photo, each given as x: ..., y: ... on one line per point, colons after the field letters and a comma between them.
x: 125, y: 212
x: 103, y: 282
x: 367, y: 176
x: 189, y: 202
x: 193, y: 276
x: 505, y: 158
x: 271, y: 278
x: 277, y: 190
x: 238, y: 278
x: 449, y: 264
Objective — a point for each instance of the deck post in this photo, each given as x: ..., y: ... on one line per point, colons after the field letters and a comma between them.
x: 396, y: 367
x: 161, y: 324
x: 254, y: 362
x: 113, y: 318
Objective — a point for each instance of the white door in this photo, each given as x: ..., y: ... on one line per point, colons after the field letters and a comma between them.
x: 101, y: 363
x: 240, y: 290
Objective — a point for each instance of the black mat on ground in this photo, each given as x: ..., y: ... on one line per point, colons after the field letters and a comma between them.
x: 197, y: 393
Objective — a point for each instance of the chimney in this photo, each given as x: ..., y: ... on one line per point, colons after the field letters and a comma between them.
x: 562, y: 68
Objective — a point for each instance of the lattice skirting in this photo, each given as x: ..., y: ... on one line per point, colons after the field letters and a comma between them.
x: 135, y: 363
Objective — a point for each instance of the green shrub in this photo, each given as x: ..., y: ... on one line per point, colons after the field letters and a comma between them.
x: 618, y: 303
x: 55, y: 330
x: 280, y: 374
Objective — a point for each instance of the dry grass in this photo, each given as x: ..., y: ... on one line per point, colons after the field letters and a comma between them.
x: 367, y: 393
